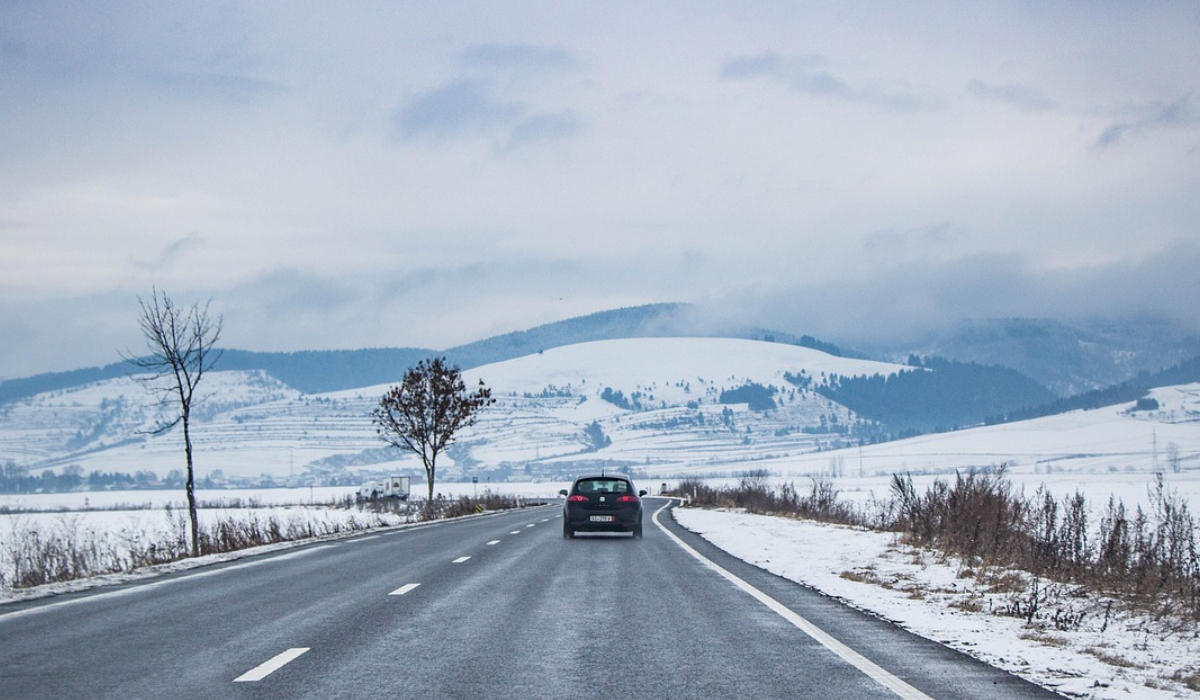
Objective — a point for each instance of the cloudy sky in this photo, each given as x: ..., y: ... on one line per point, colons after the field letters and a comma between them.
x: 342, y: 175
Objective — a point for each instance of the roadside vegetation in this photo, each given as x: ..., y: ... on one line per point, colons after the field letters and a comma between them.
x: 35, y: 551
x: 1044, y: 550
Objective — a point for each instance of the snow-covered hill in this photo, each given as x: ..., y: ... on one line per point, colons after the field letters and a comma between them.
x: 664, y: 413
x: 669, y: 416
x: 667, y: 362
x: 84, y: 424
x: 1111, y: 439
x: 655, y: 404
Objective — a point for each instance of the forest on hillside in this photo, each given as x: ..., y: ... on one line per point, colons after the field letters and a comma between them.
x: 941, y: 395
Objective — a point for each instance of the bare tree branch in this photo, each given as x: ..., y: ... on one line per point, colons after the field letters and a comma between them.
x: 426, y: 411
x: 182, y: 349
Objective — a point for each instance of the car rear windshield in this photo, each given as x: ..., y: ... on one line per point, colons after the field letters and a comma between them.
x: 602, y: 486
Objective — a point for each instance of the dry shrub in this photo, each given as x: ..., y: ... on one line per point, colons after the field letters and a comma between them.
x: 753, y: 494
x: 1188, y: 677
x: 1149, y: 560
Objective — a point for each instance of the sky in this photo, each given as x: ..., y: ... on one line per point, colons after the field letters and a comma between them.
x: 424, y: 174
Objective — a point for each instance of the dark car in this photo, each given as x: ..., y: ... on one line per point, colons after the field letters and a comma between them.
x: 602, y: 504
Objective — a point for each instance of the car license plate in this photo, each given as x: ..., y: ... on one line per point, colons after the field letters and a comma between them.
x: 602, y: 518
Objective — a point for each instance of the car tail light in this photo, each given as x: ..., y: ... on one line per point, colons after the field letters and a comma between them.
x: 627, y: 499
x: 577, y: 499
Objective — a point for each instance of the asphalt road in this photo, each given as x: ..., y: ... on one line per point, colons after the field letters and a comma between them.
x: 499, y: 606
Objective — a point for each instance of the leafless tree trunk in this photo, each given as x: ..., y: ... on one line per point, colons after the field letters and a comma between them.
x: 182, y: 345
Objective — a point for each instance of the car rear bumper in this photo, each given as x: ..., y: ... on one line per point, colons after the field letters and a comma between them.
x: 621, y: 522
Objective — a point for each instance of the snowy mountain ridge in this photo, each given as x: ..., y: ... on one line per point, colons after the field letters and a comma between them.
x: 251, y: 425
x: 657, y: 407
x: 1066, y: 358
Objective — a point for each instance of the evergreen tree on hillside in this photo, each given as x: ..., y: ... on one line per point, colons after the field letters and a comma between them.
x: 942, y: 395
x: 594, y: 437
x: 757, y: 396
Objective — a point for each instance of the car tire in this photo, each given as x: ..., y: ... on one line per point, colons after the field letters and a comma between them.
x: 568, y: 533
x: 637, y: 531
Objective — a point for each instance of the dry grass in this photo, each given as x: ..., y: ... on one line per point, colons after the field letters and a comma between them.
x: 971, y: 604
x: 1044, y: 637
x: 1111, y: 658
x: 1190, y: 678
x: 1004, y: 582
x: 868, y: 575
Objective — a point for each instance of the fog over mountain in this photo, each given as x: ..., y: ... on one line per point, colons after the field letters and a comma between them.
x: 1066, y: 358
x: 428, y: 174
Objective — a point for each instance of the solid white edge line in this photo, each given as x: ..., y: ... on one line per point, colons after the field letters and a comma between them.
x: 263, y: 670
x: 862, y: 663
x: 404, y: 589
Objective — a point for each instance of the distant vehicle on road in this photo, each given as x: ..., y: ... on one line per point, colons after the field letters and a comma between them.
x: 604, y: 503
x: 391, y: 487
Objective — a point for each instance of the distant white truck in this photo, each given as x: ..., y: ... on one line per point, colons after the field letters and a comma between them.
x: 391, y: 487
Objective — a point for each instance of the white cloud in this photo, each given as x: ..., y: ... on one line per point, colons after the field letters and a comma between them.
x: 843, y: 169
x: 515, y: 57
x: 1180, y: 114
x: 1020, y: 96
x: 456, y: 108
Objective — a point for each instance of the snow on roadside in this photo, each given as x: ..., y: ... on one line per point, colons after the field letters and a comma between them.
x: 117, y: 532
x: 1127, y: 658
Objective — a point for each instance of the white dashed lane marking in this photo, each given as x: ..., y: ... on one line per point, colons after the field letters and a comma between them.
x: 263, y: 670
x: 493, y: 542
x: 404, y: 589
x: 461, y: 560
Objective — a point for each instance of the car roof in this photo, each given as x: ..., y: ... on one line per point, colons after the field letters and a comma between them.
x: 604, y: 476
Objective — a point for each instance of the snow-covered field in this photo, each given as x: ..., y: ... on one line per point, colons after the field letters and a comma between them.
x: 1130, y: 657
x: 161, y: 498
x: 1132, y: 488
x: 113, y: 539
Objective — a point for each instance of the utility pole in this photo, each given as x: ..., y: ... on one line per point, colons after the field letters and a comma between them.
x: 1154, y: 433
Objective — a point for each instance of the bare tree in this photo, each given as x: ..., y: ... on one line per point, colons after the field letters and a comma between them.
x: 1173, y: 458
x: 427, y: 409
x: 182, y: 344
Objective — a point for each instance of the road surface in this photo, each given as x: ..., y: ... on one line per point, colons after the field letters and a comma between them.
x: 498, y: 606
